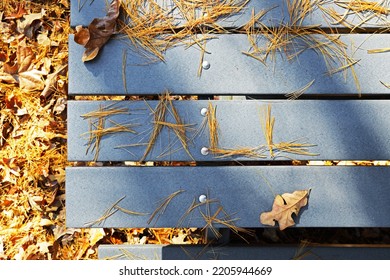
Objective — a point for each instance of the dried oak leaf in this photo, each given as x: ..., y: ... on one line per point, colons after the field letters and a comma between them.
x: 29, y: 24
x: 284, y: 206
x: 20, y: 69
x: 98, y: 32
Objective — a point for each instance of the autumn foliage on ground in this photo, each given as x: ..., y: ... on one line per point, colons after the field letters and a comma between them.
x: 33, y: 94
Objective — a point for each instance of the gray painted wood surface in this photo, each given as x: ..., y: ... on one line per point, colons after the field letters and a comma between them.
x: 243, y: 252
x: 231, y: 72
x: 83, y: 14
x: 350, y: 196
x: 338, y: 129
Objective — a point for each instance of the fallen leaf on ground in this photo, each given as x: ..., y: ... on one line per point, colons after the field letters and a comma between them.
x: 98, y: 32
x: 30, y: 23
x: 20, y: 70
x: 284, y: 206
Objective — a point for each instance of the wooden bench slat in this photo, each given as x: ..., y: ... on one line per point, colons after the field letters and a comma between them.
x: 231, y: 72
x: 339, y: 129
x: 278, y: 14
x: 349, y: 196
x: 242, y: 252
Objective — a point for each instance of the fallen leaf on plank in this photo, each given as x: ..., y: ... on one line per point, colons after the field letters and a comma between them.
x: 284, y: 206
x: 98, y: 32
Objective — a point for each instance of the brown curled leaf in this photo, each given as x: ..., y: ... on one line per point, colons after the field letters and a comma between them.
x: 98, y: 32
x: 82, y: 35
x: 284, y: 206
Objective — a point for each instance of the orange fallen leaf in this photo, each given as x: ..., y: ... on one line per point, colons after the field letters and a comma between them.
x: 284, y: 206
x: 98, y: 32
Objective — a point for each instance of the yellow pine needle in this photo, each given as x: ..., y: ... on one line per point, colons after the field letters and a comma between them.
x: 159, y: 116
x: 360, y: 6
x: 293, y: 147
x: 343, y: 67
x: 163, y: 206
x: 268, y: 127
x: 246, y: 152
x: 194, y: 206
x: 117, y: 128
x: 213, y: 126
x: 154, y: 28
x: 97, y: 127
x: 296, y: 94
x: 131, y: 256
x: 95, y: 139
x: 173, y: 125
x: 124, y: 64
x: 372, y: 51
x: 105, y: 112
x: 199, y: 254
x: 293, y: 39
x: 358, y: 9
x: 226, y: 221
x: 108, y: 213
x: 129, y: 212
x: 180, y: 129
x: 200, y: 67
x: 385, y: 84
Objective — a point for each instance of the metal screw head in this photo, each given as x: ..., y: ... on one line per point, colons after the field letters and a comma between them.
x: 206, y: 65
x: 203, y: 112
x: 202, y: 198
x: 204, y: 151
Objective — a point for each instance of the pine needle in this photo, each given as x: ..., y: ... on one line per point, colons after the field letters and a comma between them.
x: 383, y: 50
x: 129, y: 212
x: 156, y: 27
x: 296, y: 94
x: 293, y: 38
x: 213, y: 126
x: 105, y: 112
x: 254, y: 153
x: 159, y: 116
x: 226, y: 220
x: 268, y: 128
x: 387, y: 85
x: 97, y: 129
x: 108, y: 213
x: 194, y: 206
x: 292, y: 147
x: 163, y: 206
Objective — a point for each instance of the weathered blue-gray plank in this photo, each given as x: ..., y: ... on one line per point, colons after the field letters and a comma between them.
x: 350, y: 196
x: 338, y: 129
x: 230, y: 73
x: 231, y: 252
x: 84, y: 11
